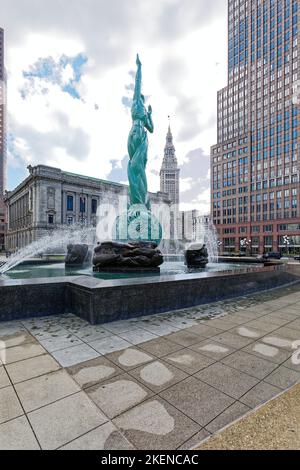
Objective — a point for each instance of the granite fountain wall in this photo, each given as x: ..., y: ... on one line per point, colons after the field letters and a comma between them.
x: 100, y: 301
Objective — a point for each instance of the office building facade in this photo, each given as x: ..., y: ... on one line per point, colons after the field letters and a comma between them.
x: 255, y: 191
x: 2, y: 140
x: 50, y: 198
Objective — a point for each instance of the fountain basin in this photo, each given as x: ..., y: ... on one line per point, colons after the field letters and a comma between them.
x: 99, y: 300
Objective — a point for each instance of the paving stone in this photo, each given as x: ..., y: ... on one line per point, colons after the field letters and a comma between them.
x: 258, y: 311
x: 197, y: 400
x: 267, y: 352
x: 46, y: 389
x: 250, y: 364
x: 53, y: 331
x: 278, y: 341
x: 4, y: 380
x: 52, y: 344
x: 118, y: 327
x: 189, y: 360
x: 289, y: 333
x: 284, y: 315
x: 33, y: 367
x: 118, y: 394
x: 283, y: 377
x: 184, y: 338
x: 261, y: 393
x: 206, y: 330
x: 11, y: 328
x: 130, y: 358
x: 74, y: 355
x: 190, y: 444
x: 161, y: 329
x: 293, y: 362
x: 65, y: 420
x: 290, y: 311
x: 19, y: 353
x: 227, y: 380
x: 248, y: 332
x: 275, y: 320
x: 295, y: 325
x: 91, y: 333
x: 9, y: 404
x: 222, y: 324
x: 212, y: 349
x: 155, y: 425
x: 231, y: 414
x: 137, y: 336
x: 16, y: 339
x: 110, y: 344
x: 73, y: 323
x: 241, y: 318
x: 160, y: 347
x: 232, y: 339
x: 158, y: 375
x: 89, y: 373
x: 17, y: 435
x: 105, y: 437
x: 262, y: 326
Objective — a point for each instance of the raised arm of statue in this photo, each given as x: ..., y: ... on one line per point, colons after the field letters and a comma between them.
x: 138, y: 79
x: 149, y: 121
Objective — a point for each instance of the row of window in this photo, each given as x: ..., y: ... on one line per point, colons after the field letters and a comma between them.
x: 266, y: 241
x: 255, y: 217
x: 82, y: 204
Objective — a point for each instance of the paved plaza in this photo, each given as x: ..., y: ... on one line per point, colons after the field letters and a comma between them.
x: 167, y: 381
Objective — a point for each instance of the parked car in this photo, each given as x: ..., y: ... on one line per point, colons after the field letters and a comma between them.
x: 272, y: 255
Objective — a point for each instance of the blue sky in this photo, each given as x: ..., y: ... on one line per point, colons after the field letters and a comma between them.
x: 71, y: 75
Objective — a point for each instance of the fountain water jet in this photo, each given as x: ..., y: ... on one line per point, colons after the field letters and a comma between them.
x: 58, y: 239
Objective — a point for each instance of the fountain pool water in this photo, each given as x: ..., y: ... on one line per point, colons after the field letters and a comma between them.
x: 58, y: 240
x: 168, y: 268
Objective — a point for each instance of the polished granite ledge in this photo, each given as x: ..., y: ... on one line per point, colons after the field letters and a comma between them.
x: 100, y: 301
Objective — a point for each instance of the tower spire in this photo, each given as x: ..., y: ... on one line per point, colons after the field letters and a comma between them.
x: 169, y: 153
x: 169, y: 174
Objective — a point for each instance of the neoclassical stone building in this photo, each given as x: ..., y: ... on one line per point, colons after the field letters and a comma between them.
x: 50, y: 198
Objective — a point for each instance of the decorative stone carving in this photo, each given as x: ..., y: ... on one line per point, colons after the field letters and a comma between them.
x: 134, y: 255
x: 196, y: 256
x: 78, y: 255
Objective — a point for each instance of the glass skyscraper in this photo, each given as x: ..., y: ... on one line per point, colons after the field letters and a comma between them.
x: 2, y: 115
x: 2, y: 139
x: 255, y: 191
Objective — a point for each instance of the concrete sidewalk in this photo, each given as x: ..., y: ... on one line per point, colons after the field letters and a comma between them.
x: 160, y: 382
x: 273, y: 426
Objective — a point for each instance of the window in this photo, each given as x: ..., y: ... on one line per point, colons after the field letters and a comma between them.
x: 82, y: 204
x: 94, y: 206
x: 50, y: 219
x: 268, y: 241
x: 70, y: 203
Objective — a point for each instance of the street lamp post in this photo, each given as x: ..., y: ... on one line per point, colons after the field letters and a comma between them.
x: 286, y: 242
x: 250, y: 246
x: 246, y: 243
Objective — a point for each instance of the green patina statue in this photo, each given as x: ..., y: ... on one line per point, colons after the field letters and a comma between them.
x: 136, y: 232
x: 138, y: 144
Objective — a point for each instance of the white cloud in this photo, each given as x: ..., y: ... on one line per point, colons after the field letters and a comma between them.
x: 179, y: 53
